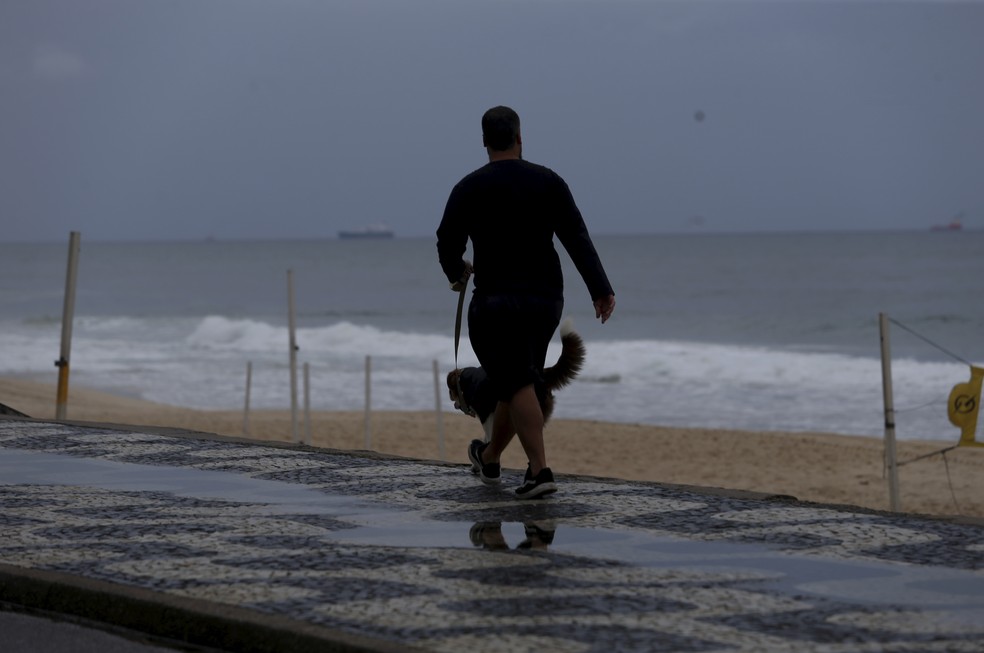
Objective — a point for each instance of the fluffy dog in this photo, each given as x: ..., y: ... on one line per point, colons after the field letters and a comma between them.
x: 472, y: 393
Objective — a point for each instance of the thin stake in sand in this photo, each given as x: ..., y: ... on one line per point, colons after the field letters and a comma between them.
x: 890, y: 457
x: 68, y: 317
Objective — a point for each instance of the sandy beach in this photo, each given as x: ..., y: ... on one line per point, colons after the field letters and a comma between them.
x: 815, y: 467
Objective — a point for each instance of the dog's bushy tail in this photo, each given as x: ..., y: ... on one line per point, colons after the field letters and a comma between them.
x: 571, y: 359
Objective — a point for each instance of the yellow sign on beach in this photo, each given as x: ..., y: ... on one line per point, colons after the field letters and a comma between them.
x: 964, y: 406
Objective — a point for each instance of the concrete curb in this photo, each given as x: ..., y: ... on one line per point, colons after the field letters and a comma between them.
x: 177, y: 620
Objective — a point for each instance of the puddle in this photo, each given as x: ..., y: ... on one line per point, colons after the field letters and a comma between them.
x: 29, y: 467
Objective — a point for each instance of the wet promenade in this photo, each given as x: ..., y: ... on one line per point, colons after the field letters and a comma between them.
x: 242, y: 546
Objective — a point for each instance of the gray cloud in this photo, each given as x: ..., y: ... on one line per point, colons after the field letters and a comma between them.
x: 52, y: 62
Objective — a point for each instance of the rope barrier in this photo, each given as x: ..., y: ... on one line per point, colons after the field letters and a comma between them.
x: 928, y: 455
x: 909, y: 409
x: 946, y: 464
x: 942, y: 452
x: 949, y: 482
x: 930, y: 342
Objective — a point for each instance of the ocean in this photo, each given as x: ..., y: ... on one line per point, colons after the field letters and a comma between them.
x: 774, y: 332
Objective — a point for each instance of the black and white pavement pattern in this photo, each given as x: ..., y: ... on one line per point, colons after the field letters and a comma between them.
x: 422, y: 553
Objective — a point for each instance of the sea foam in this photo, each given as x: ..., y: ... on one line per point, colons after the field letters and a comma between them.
x: 200, y: 363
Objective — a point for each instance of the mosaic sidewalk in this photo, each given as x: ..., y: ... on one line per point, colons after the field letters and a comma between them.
x: 396, y: 552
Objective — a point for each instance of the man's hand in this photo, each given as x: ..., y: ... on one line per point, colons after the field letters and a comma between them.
x: 460, y: 283
x: 604, y: 307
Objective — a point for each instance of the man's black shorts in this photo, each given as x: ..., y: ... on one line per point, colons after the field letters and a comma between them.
x: 510, y: 335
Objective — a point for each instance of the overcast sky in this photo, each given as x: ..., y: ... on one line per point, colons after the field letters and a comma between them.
x: 184, y: 119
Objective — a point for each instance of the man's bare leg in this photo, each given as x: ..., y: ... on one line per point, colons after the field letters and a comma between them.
x: 527, y: 419
x: 502, y: 433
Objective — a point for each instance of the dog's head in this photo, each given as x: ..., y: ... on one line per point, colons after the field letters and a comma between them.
x: 454, y: 392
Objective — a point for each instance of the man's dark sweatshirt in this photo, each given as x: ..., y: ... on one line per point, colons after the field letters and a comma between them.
x: 511, y: 210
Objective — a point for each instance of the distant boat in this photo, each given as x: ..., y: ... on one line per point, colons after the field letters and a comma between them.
x: 374, y: 231
x: 953, y: 225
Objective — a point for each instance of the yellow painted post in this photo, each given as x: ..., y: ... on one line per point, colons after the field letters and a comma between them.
x: 68, y: 317
x: 963, y: 407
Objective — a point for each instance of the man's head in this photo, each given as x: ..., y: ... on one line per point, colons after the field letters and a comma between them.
x: 500, y: 130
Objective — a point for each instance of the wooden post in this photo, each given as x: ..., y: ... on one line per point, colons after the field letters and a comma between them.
x: 249, y: 384
x: 307, y: 404
x: 68, y: 317
x: 437, y: 410
x: 891, y: 461
x: 368, y: 402
x: 292, y: 342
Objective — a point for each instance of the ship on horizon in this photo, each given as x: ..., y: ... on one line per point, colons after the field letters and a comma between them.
x: 956, y: 224
x: 372, y: 231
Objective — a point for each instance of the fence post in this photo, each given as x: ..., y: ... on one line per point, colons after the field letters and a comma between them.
x: 307, y: 404
x: 292, y: 342
x: 437, y: 410
x: 68, y: 316
x: 891, y: 461
x: 368, y: 402
x: 249, y: 384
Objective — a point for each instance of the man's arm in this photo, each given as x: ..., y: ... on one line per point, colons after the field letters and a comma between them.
x: 573, y: 235
x: 452, y: 240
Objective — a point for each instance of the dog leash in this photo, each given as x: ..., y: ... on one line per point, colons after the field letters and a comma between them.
x: 457, y: 319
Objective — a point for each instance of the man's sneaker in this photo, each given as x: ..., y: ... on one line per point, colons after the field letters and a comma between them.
x: 490, y: 473
x: 488, y: 535
x: 539, y: 535
x: 536, y: 486
x: 476, y: 461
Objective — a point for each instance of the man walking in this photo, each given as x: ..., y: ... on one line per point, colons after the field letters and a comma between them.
x: 511, y: 210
